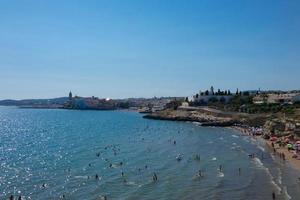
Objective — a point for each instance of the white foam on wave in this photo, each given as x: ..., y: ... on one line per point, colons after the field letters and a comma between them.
x: 258, y: 162
x: 261, y: 148
x: 221, y: 174
x: 83, y: 177
x: 261, y: 165
x: 286, y: 194
x: 130, y: 183
x: 197, y: 123
x: 279, y: 177
x: 273, y: 157
x: 214, y: 158
x: 235, y: 136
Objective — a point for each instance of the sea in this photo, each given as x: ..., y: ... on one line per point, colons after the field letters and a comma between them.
x: 91, y: 155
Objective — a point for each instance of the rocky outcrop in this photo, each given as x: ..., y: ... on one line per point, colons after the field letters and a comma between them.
x: 282, y: 127
x: 194, y: 116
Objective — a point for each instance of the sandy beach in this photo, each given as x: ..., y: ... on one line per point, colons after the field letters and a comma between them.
x: 295, y: 163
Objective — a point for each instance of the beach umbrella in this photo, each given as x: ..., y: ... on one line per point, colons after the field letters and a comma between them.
x: 273, y: 139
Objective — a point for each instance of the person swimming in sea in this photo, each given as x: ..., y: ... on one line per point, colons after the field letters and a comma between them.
x: 154, y: 177
x: 174, y: 142
x: 179, y: 157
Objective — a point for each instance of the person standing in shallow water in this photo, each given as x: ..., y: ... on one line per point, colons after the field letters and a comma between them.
x: 154, y: 177
x: 220, y: 168
x: 200, y: 173
x: 273, y: 196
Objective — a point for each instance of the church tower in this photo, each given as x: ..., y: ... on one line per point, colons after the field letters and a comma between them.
x: 70, y: 95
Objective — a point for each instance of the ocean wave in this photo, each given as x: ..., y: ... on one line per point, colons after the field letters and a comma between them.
x: 259, y: 163
x: 286, y: 194
x: 221, y: 174
x: 261, y: 148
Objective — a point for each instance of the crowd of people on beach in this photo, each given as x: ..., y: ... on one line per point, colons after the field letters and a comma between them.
x: 285, y: 143
x: 277, y: 143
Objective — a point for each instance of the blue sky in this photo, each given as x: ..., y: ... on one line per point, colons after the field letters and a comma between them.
x: 147, y: 48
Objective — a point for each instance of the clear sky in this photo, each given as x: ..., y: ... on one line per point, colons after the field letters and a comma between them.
x: 146, y: 48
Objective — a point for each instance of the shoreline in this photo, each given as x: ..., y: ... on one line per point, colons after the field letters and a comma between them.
x: 288, y: 158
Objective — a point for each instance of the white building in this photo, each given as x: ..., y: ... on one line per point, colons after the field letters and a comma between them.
x: 281, y: 98
x: 284, y: 98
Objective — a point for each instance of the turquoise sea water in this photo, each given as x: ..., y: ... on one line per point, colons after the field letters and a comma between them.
x: 46, y: 154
